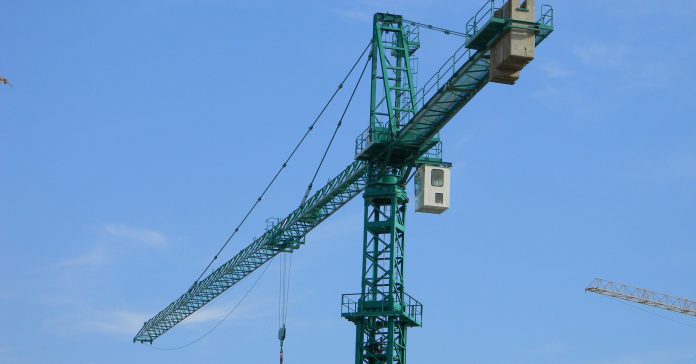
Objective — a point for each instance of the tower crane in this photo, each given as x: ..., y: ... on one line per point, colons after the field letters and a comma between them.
x: 642, y: 296
x: 401, y: 142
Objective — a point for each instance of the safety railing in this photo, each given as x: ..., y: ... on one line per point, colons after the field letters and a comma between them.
x: 430, y: 87
x: 378, y: 133
x: 546, y: 15
x: 350, y: 303
x: 460, y: 57
x: 354, y: 304
x: 482, y: 16
x: 463, y: 54
x: 413, y: 34
x: 479, y: 21
x: 433, y: 154
x: 362, y: 141
x: 413, y: 309
x: 440, y: 77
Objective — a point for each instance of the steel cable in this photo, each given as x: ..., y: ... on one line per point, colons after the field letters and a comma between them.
x: 338, y: 126
x: 282, y: 167
x: 432, y: 27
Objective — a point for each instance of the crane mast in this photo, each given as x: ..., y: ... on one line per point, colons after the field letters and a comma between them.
x: 402, y: 135
x: 382, y: 312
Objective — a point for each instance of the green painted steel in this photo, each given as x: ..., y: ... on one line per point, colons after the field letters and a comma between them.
x: 459, y: 79
x: 403, y: 128
x: 382, y: 312
x: 484, y: 28
x: 393, y: 45
x: 285, y: 236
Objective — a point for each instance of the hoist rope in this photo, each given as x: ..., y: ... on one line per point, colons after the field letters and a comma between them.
x: 283, y: 297
x: 282, y: 167
x: 432, y: 27
x: 229, y: 313
x: 338, y: 126
x: 284, y: 293
x: 286, y: 259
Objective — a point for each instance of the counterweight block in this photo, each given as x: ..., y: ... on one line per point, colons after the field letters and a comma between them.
x: 515, y: 48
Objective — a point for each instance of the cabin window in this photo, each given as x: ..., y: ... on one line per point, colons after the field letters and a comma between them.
x: 437, y: 177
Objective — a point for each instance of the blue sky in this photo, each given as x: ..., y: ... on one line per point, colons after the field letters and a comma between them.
x: 138, y: 132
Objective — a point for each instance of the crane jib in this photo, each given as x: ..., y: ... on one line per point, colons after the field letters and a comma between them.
x: 287, y: 235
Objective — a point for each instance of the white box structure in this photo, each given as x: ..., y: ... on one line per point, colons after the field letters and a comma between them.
x: 432, y: 189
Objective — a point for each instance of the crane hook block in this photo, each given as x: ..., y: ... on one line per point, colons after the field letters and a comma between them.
x: 281, y: 333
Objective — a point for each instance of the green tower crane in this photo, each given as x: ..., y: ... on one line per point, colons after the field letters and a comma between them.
x: 402, y: 137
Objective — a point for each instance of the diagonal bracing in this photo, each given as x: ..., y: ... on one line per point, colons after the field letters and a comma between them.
x: 642, y: 296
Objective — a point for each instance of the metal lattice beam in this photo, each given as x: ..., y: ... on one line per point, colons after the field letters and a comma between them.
x: 642, y: 296
x: 285, y: 236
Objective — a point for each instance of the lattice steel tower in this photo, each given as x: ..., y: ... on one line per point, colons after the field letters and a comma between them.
x: 383, y: 312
